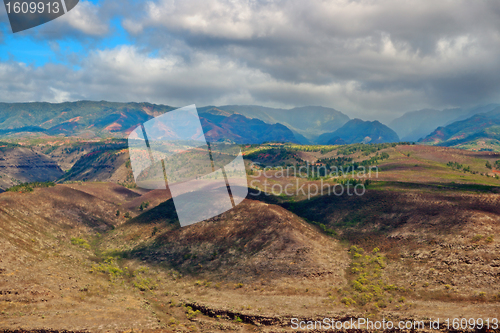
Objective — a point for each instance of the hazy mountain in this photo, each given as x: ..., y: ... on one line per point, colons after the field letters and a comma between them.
x: 483, y: 126
x: 415, y: 125
x: 308, y: 121
x: 357, y: 130
x: 301, y: 139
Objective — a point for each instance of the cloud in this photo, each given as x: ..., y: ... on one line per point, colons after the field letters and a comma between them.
x: 370, y: 59
x: 388, y: 47
x: 86, y: 19
x: 127, y: 74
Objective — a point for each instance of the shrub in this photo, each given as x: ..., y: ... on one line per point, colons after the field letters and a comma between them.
x: 144, y: 205
x: 347, y: 301
x: 366, y: 279
x: 28, y: 187
x: 477, y: 238
x: 144, y: 284
x: 80, y: 242
x: 190, y: 313
x: 109, y: 266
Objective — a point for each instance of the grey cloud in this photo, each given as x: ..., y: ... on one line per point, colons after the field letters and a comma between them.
x: 85, y: 22
x: 371, y: 59
x: 441, y: 49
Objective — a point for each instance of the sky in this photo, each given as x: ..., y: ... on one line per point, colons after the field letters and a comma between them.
x: 372, y: 59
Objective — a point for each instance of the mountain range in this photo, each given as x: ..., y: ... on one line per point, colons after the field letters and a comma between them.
x: 241, y: 124
x: 415, y: 125
x: 88, y: 119
x: 482, y: 130
x: 252, y: 124
x: 356, y: 131
x: 306, y: 122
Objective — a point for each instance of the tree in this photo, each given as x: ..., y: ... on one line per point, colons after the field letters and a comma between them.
x: 488, y: 165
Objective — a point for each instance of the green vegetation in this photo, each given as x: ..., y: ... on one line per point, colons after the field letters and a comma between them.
x: 367, y: 287
x: 144, y: 205
x: 139, y: 278
x: 50, y: 149
x: 458, y: 166
x: 477, y: 238
x: 110, y: 267
x: 144, y: 283
x: 289, y: 151
x: 366, y: 149
x: 275, y: 153
x: 190, y: 313
x: 78, y: 148
x: 80, y: 242
x: 324, y: 149
x: 28, y: 187
x: 286, y: 158
x: 324, y: 228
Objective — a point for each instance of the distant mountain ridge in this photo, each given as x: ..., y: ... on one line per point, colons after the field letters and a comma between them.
x: 480, y: 127
x: 306, y: 122
x: 71, y: 117
x: 119, y: 119
x: 359, y: 131
x: 416, y: 125
x: 240, y: 129
x: 242, y: 124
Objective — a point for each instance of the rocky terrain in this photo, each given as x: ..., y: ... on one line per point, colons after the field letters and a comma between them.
x: 90, y: 254
x: 21, y: 165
